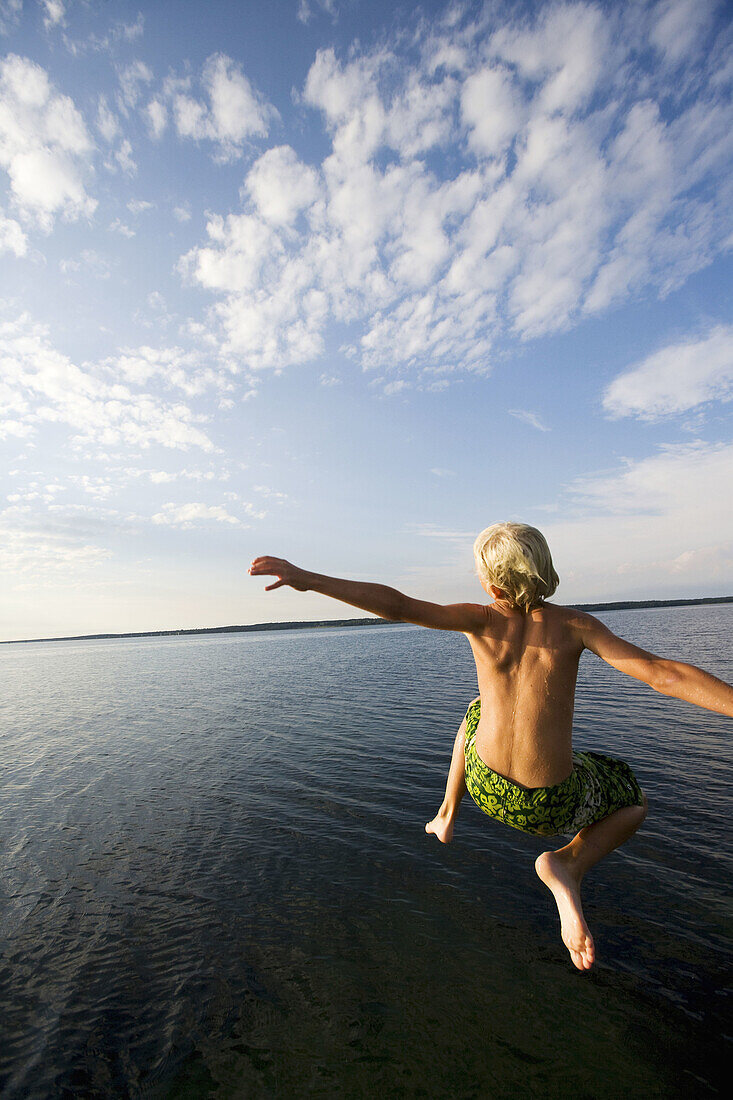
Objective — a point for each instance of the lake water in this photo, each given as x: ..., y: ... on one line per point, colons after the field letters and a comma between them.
x: 216, y: 881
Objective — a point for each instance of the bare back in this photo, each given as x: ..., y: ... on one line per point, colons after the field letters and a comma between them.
x: 527, y: 668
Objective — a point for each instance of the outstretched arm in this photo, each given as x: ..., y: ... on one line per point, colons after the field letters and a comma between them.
x: 386, y: 602
x: 675, y: 678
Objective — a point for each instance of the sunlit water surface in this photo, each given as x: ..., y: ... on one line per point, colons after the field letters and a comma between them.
x: 216, y: 881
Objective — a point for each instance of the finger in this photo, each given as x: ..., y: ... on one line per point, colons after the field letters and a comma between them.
x: 269, y: 587
x: 262, y: 562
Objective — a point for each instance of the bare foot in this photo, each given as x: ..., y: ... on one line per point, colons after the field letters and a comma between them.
x: 442, y: 827
x: 557, y: 876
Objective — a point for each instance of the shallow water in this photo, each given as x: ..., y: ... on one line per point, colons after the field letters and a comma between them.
x: 215, y: 879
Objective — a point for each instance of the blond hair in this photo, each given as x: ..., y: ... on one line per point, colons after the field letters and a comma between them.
x: 516, y: 558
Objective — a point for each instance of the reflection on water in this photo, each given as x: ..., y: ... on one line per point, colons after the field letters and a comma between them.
x: 215, y: 879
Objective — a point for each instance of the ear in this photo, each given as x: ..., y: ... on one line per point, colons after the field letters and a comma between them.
x: 497, y: 593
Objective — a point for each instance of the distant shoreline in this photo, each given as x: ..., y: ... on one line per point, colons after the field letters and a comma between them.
x: 623, y: 605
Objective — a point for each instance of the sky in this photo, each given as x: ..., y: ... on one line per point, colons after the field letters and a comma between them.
x: 345, y: 283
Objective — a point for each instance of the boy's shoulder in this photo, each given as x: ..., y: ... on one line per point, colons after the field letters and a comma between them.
x: 571, y: 617
x: 561, y: 609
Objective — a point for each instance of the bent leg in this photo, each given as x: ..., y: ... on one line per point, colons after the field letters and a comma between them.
x: 562, y: 872
x: 443, y: 822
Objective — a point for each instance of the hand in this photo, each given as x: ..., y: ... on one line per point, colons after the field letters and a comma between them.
x: 283, y: 570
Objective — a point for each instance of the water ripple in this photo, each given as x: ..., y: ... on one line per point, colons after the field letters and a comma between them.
x: 215, y: 878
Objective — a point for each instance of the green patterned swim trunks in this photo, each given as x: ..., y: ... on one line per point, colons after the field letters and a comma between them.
x: 597, y: 786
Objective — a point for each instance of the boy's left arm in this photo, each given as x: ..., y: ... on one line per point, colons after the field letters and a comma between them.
x: 675, y: 678
x: 388, y: 603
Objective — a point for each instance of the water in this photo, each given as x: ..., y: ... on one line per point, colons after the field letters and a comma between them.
x: 215, y: 879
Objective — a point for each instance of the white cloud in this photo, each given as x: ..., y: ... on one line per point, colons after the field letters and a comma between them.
x: 124, y: 159
x: 271, y: 494
x: 431, y: 531
x: 281, y: 186
x: 18, y: 429
x: 263, y: 328
x: 41, y: 386
x: 307, y: 9
x: 234, y: 113
x: 131, y: 31
x: 12, y: 237
x: 117, y: 32
x: 391, y: 388
x: 530, y: 418
x: 108, y: 126
x: 566, y: 51
x: 696, y: 472
x: 98, y: 487
x: 9, y: 15
x: 44, y: 146
x: 422, y: 116
x: 156, y: 117
x: 189, y: 515
x: 679, y: 27
x: 349, y: 97
x: 107, y: 123
x: 657, y: 517
x: 46, y: 551
x: 88, y: 260
x: 118, y: 226
x: 164, y: 477
x: 676, y: 378
x: 132, y: 78
x: 174, y: 367
x: 182, y: 213
x: 54, y: 13
x: 491, y: 110
x: 568, y: 190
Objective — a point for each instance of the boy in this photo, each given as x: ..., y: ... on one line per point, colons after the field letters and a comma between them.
x: 513, y: 751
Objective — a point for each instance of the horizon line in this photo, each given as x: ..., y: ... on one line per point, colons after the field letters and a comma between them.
x: 305, y: 624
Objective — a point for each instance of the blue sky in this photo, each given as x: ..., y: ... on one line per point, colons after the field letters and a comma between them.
x: 346, y: 282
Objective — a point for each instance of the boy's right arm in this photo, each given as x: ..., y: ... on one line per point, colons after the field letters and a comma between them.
x: 674, y: 678
x: 381, y: 600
